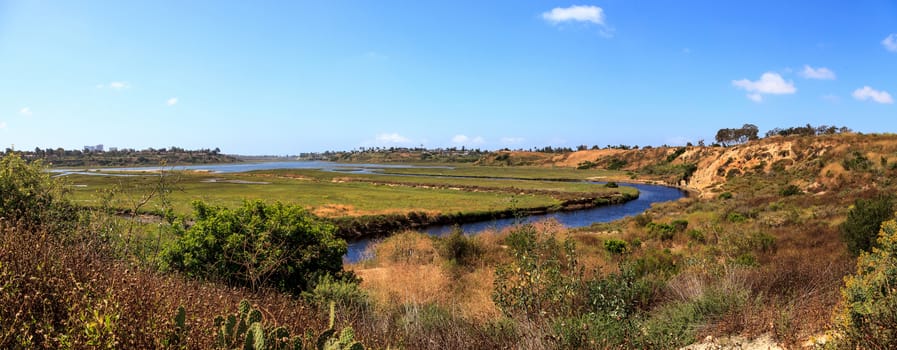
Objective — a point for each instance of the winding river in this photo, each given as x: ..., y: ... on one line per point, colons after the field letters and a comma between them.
x: 648, y: 194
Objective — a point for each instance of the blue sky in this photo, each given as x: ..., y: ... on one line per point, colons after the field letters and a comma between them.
x: 267, y: 77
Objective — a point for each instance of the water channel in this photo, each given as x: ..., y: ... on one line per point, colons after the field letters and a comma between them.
x: 648, y: 194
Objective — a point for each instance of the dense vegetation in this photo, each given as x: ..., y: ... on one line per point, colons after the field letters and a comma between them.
x: 257, y: 245
x: 764, y: 251
x: 124, y: 157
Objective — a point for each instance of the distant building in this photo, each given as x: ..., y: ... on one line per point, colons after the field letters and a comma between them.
x: 97, y: 148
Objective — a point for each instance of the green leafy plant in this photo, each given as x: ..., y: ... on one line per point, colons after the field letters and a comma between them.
x: 868, y: 317
x: 177, y: 337
x: 860, y: 229
x: 246, y: 329
x: 615, y: 246
x: 542, y: 280
x: 790, y: 190
x: 30, y: 197
x: 258, y: 245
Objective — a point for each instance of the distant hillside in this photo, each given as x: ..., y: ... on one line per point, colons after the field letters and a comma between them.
x: 816, y: 163
x: 399, y: 154
x: 126, y: 157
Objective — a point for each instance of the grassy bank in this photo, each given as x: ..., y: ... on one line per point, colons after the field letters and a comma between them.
x: 363, y: 205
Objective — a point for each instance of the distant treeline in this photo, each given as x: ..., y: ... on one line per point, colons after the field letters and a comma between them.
x: 399, y: 154
x: 748, y: 132
x: 124, y: 157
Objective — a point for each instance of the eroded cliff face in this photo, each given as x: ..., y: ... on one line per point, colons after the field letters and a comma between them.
x: 814, y: 163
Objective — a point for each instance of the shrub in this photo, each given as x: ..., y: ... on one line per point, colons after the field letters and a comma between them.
x: 29, y: 196
x: 616, y: 163
x: 696, y: 235
x: 736, y: 217
x: 615, y: 246
x: 611, y: 185
x: 666, y: 231
x: 586, y: 165
x: 643, y: 219
x: 863, y: 222
x: 868, y: 317
x: 679, y: 225
x: 345, y: 293
x: 679, y: 151
x: 257, y: 245
x: 857, y: 162
x: 460, y: 249
x: 542, y: 280
x: 725, y: 195
x: 790, y: 190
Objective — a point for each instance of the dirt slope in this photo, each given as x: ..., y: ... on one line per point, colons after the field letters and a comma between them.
x: 817, y: 159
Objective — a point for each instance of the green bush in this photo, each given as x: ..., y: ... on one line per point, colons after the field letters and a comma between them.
x: 460, y: 249
x: 725, y: 195
x: 863, y: 222
x: 615, y: 246
x: 616, y: 164
x: 257, y: 245
x: 344, y: 292
x: 30, y: 197
x: 868, y: 316
x: 643, y: 219
x: 543, y: 279
x: 736, y: 217
x: 790, y: 190
x: 857, y: 162
x: 696, y: 235
x: 666, y: 231
x: 586, y: 165
x: 611, y: 184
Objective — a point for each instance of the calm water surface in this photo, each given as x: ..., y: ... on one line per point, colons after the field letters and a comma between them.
x: 648, y: 194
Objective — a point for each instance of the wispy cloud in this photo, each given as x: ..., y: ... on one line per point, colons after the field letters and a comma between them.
x: 464, y: 140
x: 2, y: 125
x: 868, y: 93
x: 115, y: 85
x: 392, y: 138
x: 511, y: 140
x: 26, y: 111
x: 821, y: 73
x: 172, y: 101
x: 890, y: 43
x: 769, y: 84
x: 578, y: 14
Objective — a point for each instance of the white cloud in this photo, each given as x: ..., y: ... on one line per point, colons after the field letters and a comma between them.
x: 770, y: 83
x: 817, y: 73
x: 172, y: 101
x: 868, y: 93
x: 392, y: 138
x: 26, y: 111
x: 2, y: 125
x: 116, y: 85
x: 576, y: 13
x: 511, y: 140
x: 464, y: 140
x: 890, y: 43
